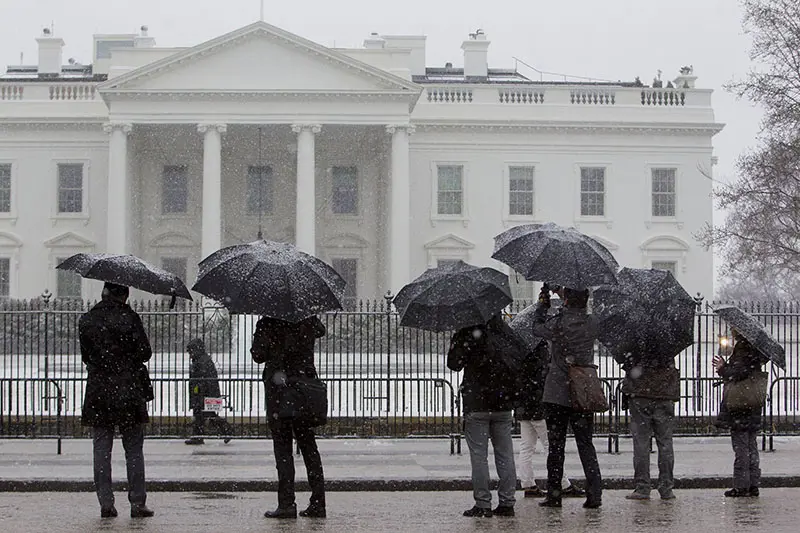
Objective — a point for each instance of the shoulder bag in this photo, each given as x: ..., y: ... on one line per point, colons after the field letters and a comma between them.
x: 586, y: 390
x: 748, y: 393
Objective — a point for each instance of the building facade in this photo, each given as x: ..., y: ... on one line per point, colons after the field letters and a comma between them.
x: 366, y: 157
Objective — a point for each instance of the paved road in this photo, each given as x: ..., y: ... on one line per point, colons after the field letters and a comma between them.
x: 694, y: 510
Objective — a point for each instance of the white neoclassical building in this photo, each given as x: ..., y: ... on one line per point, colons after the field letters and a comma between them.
x: 366, y: 157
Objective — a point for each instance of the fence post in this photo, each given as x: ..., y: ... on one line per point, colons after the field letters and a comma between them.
x: 46, y: 295
x: 388, y: 297
x: 698, y: 383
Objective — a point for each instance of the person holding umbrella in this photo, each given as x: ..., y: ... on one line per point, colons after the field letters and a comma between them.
x: 572, y: 334
x: 114, y: 348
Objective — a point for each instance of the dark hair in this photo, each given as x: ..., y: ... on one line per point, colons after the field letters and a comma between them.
x: 117, y: 291
x: 576, y: 298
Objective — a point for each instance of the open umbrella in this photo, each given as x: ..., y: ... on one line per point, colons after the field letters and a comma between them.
x: 126, y: 270
x: 752, y: 330
x: 648, y: 312
x: 270, y: 279
x: 453, y: 296
x: 549, y: 252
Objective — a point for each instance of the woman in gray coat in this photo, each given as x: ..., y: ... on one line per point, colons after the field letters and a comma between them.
x: 572, y: 334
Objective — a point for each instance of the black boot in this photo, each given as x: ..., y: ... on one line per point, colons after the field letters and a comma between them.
x: 737, y: 493
x: 108, y: 512
x: 591, y: 503
x: 504, y: 510
x: 313, y: 511
x: 754, y: 492
x: 478, y: 512
x: 141, y: 511
x: 288, y: 512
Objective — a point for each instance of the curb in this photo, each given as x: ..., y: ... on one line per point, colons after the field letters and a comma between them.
x: 356, y: 485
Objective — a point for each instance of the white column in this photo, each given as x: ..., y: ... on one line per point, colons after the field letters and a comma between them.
x: 306, y: 214
x: 212, y: 187
x: 118, y: 233
x: 399, y: 209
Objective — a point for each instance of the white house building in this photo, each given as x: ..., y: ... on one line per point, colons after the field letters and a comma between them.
x: 365, y: 157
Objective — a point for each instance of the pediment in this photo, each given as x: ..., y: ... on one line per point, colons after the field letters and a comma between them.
x: 449, y: 242
x: 346, y: 240
x: 9, y: 240
x: 259, y: 58
x: 172, y: 239
x: 665, y: 242
x: 69, y: 240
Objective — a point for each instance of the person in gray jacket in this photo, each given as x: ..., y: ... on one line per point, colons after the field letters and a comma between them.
x: 572, y: 334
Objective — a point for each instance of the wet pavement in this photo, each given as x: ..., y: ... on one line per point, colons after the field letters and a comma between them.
x: 694, y: 510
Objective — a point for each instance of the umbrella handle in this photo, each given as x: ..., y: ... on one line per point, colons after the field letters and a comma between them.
x: 174, y: 298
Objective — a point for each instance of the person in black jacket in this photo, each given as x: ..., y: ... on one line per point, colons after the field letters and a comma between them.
x: 288, y: 352
x: 744, y: 424
x: 114, y: 348
x: 489, y: 390
x: 203, y: 383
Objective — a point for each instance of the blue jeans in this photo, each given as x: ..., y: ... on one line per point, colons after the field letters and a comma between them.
x: 478, y: 429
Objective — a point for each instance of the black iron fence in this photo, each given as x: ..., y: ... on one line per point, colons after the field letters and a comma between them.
x: 383, y: 380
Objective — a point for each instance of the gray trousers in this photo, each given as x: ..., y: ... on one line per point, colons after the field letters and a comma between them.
x: 746, y: 470
x: 132, y: 441
x: 478, y: 429
x: 652, y: 418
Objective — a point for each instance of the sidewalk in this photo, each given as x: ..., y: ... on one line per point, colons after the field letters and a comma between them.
x: 357, y: 465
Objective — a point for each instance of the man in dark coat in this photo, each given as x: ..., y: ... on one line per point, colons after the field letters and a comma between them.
x: 572, y: 334
x: 114, y: 348
x: 744, y: 424
x: 203, y: 383
x: 489, y: 390
x: 288, y: 352
x: 651, y: 389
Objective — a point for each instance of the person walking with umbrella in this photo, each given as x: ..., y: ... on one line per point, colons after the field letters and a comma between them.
x: 572, y: 334
x: 489, y: 390
x: 203, y: 383
x: 114, y: 348
x: 287, y: 350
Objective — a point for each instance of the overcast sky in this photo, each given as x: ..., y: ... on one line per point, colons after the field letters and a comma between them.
x: 608, y: 39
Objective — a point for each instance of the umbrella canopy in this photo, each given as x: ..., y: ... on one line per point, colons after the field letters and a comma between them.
x: 452, y: 297
x: 752, y: 330
x: 271, y: 279
x: 126, y: 270
x: 648, y: 312
x: 549, y: 252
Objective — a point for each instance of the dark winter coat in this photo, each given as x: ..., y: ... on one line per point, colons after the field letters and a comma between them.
x: 285, y: 347
x: 572, y: 334
x: 114, y: 348
x: 743, y: 362
x: 643, y: 380
x: 486, y: 355
x: 203, y: 381
x: 534, y: 372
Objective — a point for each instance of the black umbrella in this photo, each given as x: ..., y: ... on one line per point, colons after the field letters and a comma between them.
x: 752, y: 330
x: 270, y: 279
x: 549, y: 252
x: 647, y: 312
x: 127, y: 270
x: 523, y: 323
x: 452, y: 297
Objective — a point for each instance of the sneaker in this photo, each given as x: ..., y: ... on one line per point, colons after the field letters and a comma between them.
x: 637, y: 496
x: 737, y: 493
x: 108, y: 512
x: 534, y: 492
x: 573, y: 492
x: 141, y: 511
x: 551, y: 502
x: 478, y: 512
x: 754, y: 492
x: 194, y: 441
x: 504, y: 510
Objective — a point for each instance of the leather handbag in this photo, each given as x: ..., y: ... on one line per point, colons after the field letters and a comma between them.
x: 748, y: 393
x: 304, y: 398
x: 586, y: 390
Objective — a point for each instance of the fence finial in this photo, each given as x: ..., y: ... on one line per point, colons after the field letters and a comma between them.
x: 698, y: 301
x: 388, y: 297
x: 46, y: 296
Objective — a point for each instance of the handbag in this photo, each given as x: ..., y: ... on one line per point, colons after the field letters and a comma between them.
x: 748, y: 393
x: 304, y: 398
x: 142, y: 377
x: 585, y: 390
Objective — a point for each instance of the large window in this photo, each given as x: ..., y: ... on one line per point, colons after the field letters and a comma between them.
x: 5, y: 277
x: 447, y: 262
x: 348, y: 269
x: 669, y: 266
x: 260, y: 190
x: 174, y: 189
x: 70, y: 188
x: 450, y: 190
x: 5, y: 188
x: 344, y: 199
x: 68, y: 284
x: 520, y: 191
x: 175, y: 265
x: 663, y: 192
x: 593, y: 192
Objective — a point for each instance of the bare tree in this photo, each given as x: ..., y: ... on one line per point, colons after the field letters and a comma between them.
x: 761, y: 234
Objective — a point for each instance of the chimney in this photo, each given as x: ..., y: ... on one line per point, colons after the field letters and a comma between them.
x: 415, y: 43
x: 143, y: 40
x: 476, y: 56
x: 374, y: 41
x: 51, y: 50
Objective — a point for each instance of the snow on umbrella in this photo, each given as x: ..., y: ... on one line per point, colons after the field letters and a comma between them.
x: 126, y: 270
x: 549, y: 252
x: 752, y: 330
x: 648, y: 311
x: 270, y: 279
x: 452, y: 297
